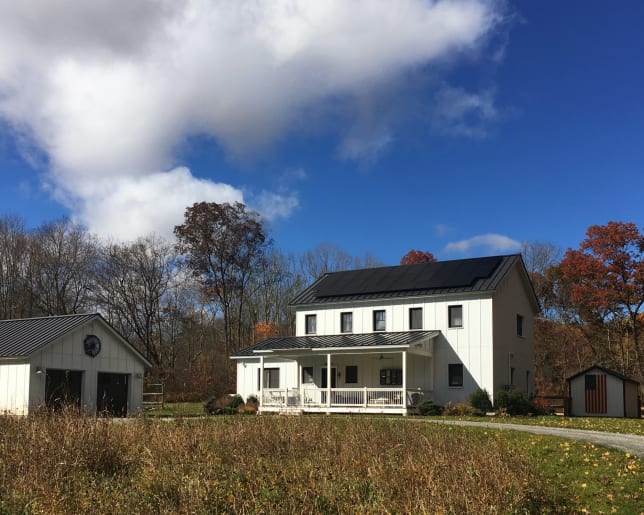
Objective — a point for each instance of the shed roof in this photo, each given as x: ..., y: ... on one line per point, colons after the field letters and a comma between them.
x: 606, y: 371
x: 336, y: 341
x: 442, y: 277
x: 22, y: 337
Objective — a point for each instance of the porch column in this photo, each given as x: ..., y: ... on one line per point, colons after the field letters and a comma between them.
x: 328, y: 380
x: 404, y: 378
x: 261, y: 381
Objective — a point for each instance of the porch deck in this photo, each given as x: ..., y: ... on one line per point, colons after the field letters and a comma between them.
x: 341, y: 400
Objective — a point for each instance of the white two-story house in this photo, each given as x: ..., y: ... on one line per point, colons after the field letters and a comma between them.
x: 380, y: 340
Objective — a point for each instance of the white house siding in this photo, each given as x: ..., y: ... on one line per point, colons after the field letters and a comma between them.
x: 14, y: 388
x: 614, y: 396
x: 511, y: 350
x: 67, y: 353
x: 469, y: 345
x: 247, y: 373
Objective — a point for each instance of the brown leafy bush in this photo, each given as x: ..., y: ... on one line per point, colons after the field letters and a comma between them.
x: 260, y: 465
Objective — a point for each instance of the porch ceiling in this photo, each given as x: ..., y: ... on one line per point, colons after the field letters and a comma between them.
x: 338, y: 342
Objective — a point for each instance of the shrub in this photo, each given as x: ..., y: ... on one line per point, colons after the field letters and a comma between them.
x: 236, y: 401
x: 226, y: 405
x: 459, y: 409
x: 480, y: 400
x: 513, y: 402
x: 427, y: 408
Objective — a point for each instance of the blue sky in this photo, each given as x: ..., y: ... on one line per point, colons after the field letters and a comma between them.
x: 463, y: 128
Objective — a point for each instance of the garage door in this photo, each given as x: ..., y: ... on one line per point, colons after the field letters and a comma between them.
x: 63, y: 388
x: 111, y: 395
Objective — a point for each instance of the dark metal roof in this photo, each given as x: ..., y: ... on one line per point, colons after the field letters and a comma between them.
x: 336, y: 341
x: 443, y: 277
x: 22, y: 337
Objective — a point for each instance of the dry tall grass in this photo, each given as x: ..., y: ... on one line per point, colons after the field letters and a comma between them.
x: 67, y: 464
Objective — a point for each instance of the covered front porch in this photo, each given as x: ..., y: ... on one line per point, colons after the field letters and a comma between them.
x: 368, y: 373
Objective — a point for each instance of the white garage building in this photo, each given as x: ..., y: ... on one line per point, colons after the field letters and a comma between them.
x: 78, y: 360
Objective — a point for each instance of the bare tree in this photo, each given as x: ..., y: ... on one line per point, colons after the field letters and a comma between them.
x: 63, y: 258
x: 134, y: 281
x: 15, y: 292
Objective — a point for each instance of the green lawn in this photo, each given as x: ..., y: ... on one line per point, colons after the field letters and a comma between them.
x: 178, y: 409
x: 631, y: 426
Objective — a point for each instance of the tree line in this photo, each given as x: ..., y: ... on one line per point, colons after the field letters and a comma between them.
x: 592, y: 301
x: 222, y: 285
x: 186, y: 305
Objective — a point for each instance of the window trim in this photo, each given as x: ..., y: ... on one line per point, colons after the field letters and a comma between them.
x: 451, y: 374
x: 390, y: 376
x: 314, y: 318
x: 305, y: 372
x: 350, y: 317
x: 520, y: 326
x: 415, y: 310
x: 268, y: 372
x: 384, y: 320
x: 353, y: 377
x: 450, y: 323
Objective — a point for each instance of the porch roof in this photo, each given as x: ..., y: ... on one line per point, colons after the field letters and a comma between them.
x: 403, y: 339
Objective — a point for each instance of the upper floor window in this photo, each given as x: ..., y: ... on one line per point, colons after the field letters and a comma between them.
x: 379, y: 320
x: 455, y: 314
x: 311, y: 322
x: 415, y: 318
x: 346, y: 322
x: 455, y: 372
x: 519, y: 325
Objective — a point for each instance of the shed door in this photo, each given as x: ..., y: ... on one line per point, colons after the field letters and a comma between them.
x: 63, y: 388
x: 111, y: 394
x: 595, y: 393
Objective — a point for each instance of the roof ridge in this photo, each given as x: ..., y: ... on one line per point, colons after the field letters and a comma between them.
x: 71, y: 315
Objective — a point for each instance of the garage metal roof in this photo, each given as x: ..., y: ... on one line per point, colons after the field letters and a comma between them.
x: 336, y: 341
x: 442, y: 277
x: 22, y: 337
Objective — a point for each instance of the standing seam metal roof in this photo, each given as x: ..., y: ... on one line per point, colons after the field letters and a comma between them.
x: 336, y: 341
x: 22, y: 337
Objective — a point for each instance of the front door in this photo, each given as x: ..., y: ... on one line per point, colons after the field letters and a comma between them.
x: 324, y: 382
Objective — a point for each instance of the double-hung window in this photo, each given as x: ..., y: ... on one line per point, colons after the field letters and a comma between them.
x: 455, y: 315
x: 346, y: 322
x: 415, y: 318
x: 379, y: 320
x: 271, y: 377
x: 455, y: 372
x: 351, y: 374
x: 311, y: 322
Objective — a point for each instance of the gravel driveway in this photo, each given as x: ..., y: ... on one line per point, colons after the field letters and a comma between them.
x: 627, y: 443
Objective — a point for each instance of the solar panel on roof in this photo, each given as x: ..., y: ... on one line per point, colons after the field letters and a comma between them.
x: 427, y: 276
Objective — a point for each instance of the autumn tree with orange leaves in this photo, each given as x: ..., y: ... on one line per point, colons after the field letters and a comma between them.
x: 606, y: 281
x: 414, y: 257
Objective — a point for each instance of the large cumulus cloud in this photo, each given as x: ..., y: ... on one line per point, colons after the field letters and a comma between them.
x: 109, y: 91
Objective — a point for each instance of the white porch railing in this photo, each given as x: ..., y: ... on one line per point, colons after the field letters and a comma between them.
x: 342, y: 397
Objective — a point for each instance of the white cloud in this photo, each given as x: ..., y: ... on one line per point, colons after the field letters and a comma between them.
x: 128, y: 207
x: 488, y: 243
x: 460, y: 113
x: 110, y: 94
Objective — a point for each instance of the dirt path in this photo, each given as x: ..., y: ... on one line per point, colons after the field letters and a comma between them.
x: 627, y: 443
